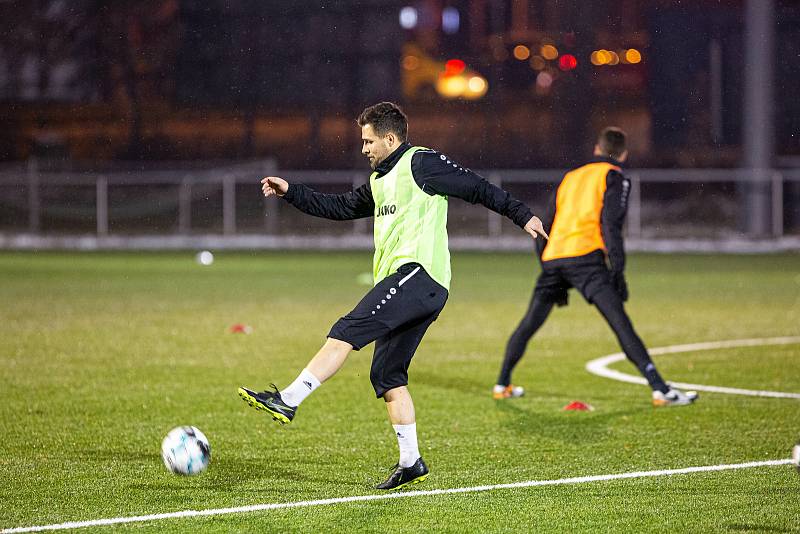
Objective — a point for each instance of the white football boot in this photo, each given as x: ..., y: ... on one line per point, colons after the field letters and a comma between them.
x: 674, y: 397
x: 507, y: 392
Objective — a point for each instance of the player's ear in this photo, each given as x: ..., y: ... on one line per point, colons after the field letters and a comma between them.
x: 390, y: 139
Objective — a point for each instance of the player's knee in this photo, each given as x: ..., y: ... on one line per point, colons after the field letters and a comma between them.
x: 396, y: 393
x: 338, y: 345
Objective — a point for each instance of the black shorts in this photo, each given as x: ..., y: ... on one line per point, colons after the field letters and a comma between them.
x: 587, y: 278
x: 395, y: 314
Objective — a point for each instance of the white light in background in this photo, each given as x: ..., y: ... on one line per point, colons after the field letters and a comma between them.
x: 450, y: 20
x: 408, y: 17
x: 478, y: 86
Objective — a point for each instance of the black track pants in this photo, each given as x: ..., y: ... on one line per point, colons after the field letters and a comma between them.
x: 608, y: 302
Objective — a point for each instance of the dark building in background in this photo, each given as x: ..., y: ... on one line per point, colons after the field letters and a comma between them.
x: 497, y: 83
x: 286, y: 55
x: 787, y: 73
x: 695, y: 88
x: 255, y: 58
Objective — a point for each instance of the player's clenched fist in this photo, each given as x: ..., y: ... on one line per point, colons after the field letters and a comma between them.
x: 272, y: 185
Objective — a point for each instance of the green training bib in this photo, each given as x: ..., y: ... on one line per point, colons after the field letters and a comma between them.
x: 410, y: 225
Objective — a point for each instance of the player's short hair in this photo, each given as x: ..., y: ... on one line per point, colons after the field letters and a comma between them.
x: 385, y: 117
x: 612, y: 141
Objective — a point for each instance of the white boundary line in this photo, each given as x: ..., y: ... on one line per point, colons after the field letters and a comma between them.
x: 386, y: 496
x: 599, y: 366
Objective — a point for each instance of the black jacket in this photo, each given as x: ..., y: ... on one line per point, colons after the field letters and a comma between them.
x: 612, y: 218
x: 435, y: 174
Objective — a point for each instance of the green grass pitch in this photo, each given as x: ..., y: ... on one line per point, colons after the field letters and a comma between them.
x: 102, y: 354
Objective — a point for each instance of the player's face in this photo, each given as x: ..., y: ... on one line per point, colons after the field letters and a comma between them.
x: 376, y: 148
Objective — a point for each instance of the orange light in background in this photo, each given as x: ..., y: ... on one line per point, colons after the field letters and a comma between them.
x: 633, y: 56
x: 453, y: 67
x: 609, y: 57
x: 410, y: 62
x: 459, y: 86
x: 522, y: 52
x: 537, y: 62
x: 567, y: 62
x: 549, y: 51
x: 451, y: 86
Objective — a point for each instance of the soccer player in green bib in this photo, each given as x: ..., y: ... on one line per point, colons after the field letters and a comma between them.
x: 407, y: 195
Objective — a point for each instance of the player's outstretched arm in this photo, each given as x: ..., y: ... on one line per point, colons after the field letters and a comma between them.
x: 355, y: 204
x: 436, y: 174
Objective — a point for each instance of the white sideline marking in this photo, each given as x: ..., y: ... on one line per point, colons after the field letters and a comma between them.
x: 385, y: 496
x: 599, y: 366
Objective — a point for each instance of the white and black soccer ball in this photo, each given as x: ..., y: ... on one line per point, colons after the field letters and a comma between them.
x: 186, y: 451
x: 796, y: 457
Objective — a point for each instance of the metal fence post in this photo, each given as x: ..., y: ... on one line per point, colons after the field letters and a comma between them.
x: 229, y: 204
x: 777, y: 204
x: 102, y: 205
x: 34, y: 205
x: 272, y: 208
x: 185, y: 206
x: 635, y: 207
x: 493, y: 220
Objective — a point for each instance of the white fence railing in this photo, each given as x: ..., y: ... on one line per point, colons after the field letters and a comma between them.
x: 224, y: 205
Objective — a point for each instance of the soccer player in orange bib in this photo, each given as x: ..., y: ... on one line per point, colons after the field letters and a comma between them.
x: 585, y: 251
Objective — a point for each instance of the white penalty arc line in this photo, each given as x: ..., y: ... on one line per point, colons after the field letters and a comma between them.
x: 599, y: 366
x: 386, y: 496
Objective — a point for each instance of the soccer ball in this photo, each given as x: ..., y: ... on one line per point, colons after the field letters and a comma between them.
x: 186, y: 451
x: 204, y: 258
x: 796, y: 456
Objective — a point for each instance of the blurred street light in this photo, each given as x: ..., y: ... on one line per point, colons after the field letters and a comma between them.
x: 522, y: 52
x: 633, y: 56
x: 567, y: 62
x: 549, y: 52
x: 408, y: 18
x: 537, y: 62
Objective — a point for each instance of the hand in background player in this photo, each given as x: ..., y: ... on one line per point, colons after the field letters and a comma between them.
x: 620, y: 285
x: 272, y: 185
x: 535, y: 228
